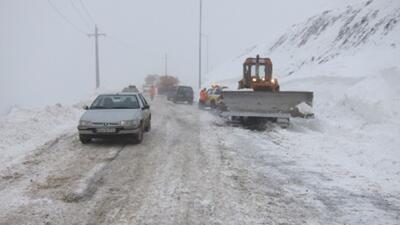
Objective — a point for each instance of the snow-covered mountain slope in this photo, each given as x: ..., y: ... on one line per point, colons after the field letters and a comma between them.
x: 350, y: 58
x: 371, y: 25
x: 364, y: 35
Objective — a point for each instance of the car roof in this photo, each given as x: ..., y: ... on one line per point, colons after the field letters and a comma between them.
x: 184, y: 86
x: 129, y: 91
x: 122, y: 93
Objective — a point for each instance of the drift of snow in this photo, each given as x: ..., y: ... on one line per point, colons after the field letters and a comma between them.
x: 23, y: 130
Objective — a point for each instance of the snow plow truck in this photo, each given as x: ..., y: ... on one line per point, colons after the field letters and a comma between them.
x: 259, y: 97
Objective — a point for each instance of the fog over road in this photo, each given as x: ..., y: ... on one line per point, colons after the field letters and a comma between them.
x: 190, y: 169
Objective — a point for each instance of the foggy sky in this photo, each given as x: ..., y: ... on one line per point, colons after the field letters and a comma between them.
x: 46, y: 60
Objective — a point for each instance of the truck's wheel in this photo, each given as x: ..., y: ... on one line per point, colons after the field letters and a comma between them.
x: 84, y: 139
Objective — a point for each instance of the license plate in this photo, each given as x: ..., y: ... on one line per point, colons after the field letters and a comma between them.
x: 106, y: 130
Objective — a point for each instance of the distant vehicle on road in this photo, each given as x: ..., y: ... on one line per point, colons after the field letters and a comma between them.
x: 146, y: 89
x: 184, y: 94
x: 130, y: 88
x: 171, y: 93
x: 112, y: 115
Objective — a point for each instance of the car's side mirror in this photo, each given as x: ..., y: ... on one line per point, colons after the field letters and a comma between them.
x: 85, y: 107
x: 146, y: 107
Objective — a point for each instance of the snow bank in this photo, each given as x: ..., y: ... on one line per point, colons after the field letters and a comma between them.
x: 23, y: 130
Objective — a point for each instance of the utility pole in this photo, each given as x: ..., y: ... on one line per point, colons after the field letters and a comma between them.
x: 200, y: 24
x: 207, y: 53
x: 166, y: 64
x: 96, y: 37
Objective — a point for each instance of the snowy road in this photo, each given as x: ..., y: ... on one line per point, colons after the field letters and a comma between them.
x: 190, y: 169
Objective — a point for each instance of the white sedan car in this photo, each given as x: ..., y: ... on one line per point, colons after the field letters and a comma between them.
x: 111, y: 115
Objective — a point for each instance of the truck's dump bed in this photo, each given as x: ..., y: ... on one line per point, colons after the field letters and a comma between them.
x: 264, y: 104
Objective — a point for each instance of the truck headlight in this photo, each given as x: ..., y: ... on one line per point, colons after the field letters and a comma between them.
x: 84, y: 122
x: 254, y: 79
x: 273, y: 81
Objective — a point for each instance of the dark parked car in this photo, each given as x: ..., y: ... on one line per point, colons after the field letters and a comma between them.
x: 184, y: 94
x: 171, y: 93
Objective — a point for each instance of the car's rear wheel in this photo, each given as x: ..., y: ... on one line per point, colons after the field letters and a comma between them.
x: 84, y: 139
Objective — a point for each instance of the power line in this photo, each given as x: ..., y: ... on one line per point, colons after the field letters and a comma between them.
x: 120, y: 42
x: 80, y: 14
x: 87, y: 11
x: 65, y: 18
x: 110, y: 37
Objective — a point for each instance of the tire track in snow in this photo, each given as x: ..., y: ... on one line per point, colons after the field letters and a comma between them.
x: 86, y: 187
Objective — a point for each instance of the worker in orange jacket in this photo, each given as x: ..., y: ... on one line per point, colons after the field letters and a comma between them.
x: 152, y: 92
x: 203, y: 97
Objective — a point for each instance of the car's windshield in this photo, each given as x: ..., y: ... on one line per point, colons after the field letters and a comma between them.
x: 116, y: 102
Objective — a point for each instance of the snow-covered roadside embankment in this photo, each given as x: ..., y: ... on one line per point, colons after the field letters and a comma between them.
x: 23, y: 130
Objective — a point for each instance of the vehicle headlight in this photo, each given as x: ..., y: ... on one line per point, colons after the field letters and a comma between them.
x: 130, y: 123
x: 254, y: 79
x: 84, y: 123
x: 273, y: 81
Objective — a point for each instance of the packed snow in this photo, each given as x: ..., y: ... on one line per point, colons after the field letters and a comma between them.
x: 23, y: 130
x: 305, y: 109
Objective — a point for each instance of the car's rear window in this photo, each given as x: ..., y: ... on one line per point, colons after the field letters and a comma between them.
x: 116, y: 102
x: 186, y: 89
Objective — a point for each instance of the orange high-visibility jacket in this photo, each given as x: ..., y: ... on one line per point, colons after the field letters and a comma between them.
x: 203, y: 96
x: 152, y: 90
